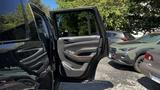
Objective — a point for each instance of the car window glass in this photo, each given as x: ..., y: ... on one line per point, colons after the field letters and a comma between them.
x: 76, y: 24
x: 128, y: 36
x: 149, y: 38
x: 109, y: 34
x: 114, y: 34
x: 119, y: 35
x: 12, y: 20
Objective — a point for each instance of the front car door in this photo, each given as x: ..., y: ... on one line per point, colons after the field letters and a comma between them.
x: 28, y: 43
x: 80, y: 43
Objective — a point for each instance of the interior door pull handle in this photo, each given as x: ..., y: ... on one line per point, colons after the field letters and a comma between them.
x: 77, y: 58
x: 66, y: 41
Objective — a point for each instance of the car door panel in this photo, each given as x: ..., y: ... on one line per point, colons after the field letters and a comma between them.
x: 77, y: 53
x: 32, y: 54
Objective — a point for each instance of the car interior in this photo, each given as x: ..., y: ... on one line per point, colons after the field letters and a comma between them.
x: 76, y: 53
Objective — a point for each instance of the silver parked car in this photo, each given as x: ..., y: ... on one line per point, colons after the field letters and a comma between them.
x: 132, y: 52
x: 150, y: 66
x: 116, y: 36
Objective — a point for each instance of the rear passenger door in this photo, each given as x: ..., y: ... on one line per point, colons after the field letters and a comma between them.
x: 81, y: 43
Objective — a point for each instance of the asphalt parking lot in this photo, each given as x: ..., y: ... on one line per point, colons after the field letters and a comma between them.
x: 111, y: 76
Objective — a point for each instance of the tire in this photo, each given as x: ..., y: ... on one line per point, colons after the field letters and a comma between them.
x: 137, y: 62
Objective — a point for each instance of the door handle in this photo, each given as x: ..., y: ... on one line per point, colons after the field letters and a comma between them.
x: 67, y: 41
x: 71, y: 55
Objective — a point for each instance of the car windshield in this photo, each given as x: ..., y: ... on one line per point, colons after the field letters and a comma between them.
x: 149, y: 38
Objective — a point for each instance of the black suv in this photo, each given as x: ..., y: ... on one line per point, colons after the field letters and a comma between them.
x: 38, y: 52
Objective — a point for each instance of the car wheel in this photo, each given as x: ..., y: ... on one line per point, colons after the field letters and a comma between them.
x: 137, y: 62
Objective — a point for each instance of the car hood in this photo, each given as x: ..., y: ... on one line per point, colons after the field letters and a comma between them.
x: 130, y: 44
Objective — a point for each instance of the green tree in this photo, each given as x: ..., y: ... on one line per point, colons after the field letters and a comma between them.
x: 144, y: 15
x: 81, y: 23
x: 113, y: 12
x: 128, y: 15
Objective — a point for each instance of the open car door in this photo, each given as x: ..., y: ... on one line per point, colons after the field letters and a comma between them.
x: 80, y: 44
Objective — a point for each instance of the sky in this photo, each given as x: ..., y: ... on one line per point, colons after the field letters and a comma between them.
x: 50, y: 3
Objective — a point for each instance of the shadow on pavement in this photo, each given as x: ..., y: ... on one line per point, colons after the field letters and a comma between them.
x: 121, y: 67
x: 91, y: 85
x: 149, y: 84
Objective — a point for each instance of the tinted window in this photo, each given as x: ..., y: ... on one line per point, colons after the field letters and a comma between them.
x: 12, y: 20
x: 119, y: 35
x: 114, y: 34
x: 76, y: 24
x: 128, y: 36
x: 110, y: 34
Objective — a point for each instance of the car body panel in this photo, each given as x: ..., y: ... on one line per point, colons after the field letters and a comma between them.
x: 150, y: 71
x: 137, y: 49
x: 140, y: 48
x: 151, y: 68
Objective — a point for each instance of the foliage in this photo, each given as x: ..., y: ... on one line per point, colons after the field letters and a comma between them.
x: 144, y: 15
x: 112, y: 11
x: 76, y: 24
x: 128, y: 15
